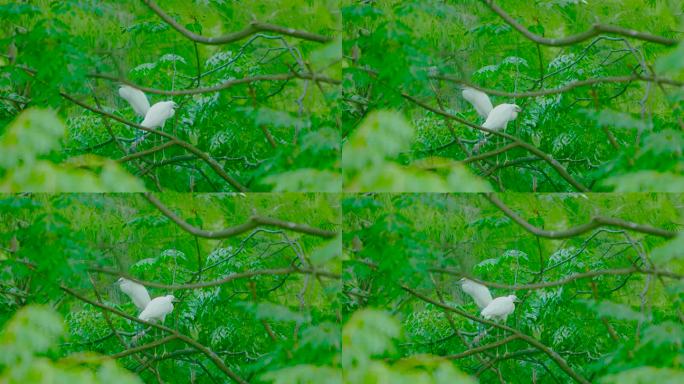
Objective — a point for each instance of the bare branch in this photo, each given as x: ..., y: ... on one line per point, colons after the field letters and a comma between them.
x: 144, y: 347
x: 254, y: 27
x: 229, y: 278
x: 569, y: 279
x: 225, y: 85
x: 252, y: 223
x: 482, y: 348
x: 595, y: 30
x: 595, y: 222
x: 565, y: 88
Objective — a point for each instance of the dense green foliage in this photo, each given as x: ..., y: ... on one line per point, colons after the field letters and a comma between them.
x: 62, y: 48
x: 258, y: 325
x: 622, y: 136
x: 610, y: 328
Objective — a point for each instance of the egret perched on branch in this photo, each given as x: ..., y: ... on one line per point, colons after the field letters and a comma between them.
x: 500, y: 308
x: 156, y: 117
x: 499, y: 117
x: 158, y: 114
x: 136, y: 98
x: 479, y: 100
x: 158, y: 308
x: 137, y: 292
x: 477, y: 291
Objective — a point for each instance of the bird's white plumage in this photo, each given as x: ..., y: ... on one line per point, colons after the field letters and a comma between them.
x: 500, y: 308
x: 478, y: 292
x: 137, y: 292
x: 500, y: 116
x: 158, y: 114
x: 479, y: 100
x: 158, y: 308
x: 136, y: 98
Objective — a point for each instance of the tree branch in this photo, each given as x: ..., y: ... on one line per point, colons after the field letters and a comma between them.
x: 571, y: 278
x: 144, y: 347
x: 254, y: 27
x: 482, y: 348
x: 595, y: 222
x: 565, y: 88
x: 225, y: 85
x: 207, y: 284
x: 595, y: 30
x: 252, y: 223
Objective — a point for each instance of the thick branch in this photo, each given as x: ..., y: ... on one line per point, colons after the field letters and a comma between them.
x: 252, y: 223
x: 482, y: 348
x: 595, y: 222
x: 225, y: 85
x: 206, y: 351
x: 562, y: 364
x: 144, y: 347
x: 213, y: 283
x: 595, y: 30
x: 565, y: 88
x: 254, y: 27
x: 571, y: 278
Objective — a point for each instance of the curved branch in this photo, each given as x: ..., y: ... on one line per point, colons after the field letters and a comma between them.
x: 143, y: 347
x: 569, y: 279
x: 189, y: 147
x: 482, y: 348
x: 562, y: 364
x: 595, y: 222
x: 595, y: 30
x: 529, y: 147
x: 252, y: 223
x: 225, y: 85
x: 565, y: 88
x: 207, y: 284
x: 254, y: 27
x: 190, y: 341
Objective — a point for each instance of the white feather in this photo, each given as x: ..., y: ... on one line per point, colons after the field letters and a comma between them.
x: 479, y: 100
x: 478, y: 292
x: 137, y: 292
x: 500, y: 308
x: 158, y: 114
x: 158, y: 308
x: 500, y: 116
x: 136, y: 98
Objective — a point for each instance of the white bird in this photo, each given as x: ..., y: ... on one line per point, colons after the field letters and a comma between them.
x: 479, y: 100
x: 158, y: 114
x: 136, y: 98
x: 477, y: 291
x: 500, y: 308
x: 158, y: 308
x: 499, y: 117
x: 137, y: 292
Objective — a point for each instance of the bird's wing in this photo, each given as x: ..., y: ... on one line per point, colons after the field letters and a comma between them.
x: 140, y: 296
x: 479, y: 100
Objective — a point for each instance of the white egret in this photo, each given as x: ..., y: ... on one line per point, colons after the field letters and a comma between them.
x: 499, y: 117
x: 158, y: 114
x: 137, y: 292
x: 479, y: 100
x: 136, y: 98
x: 158, y: 308
x: 478, y: 292
x: 500, y: 308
